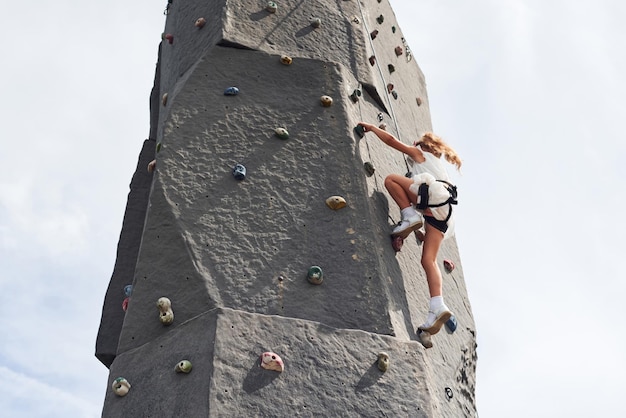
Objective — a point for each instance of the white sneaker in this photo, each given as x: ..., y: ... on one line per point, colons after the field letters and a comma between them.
x: 408, y: 225
x: 436, y: 320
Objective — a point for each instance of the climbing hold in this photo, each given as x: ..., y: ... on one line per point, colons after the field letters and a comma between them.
x: 449, y: 394
x: 200, y: 22
x: 158, y: 147
x: 282, y: 133
x: 394, y: 94
x: 315, y: 275
x: 393, y: 29
x: 389, y: 88
x: 167, y: 8
x: 369, y: 168
x: 120, y: 386
x: 128, y: 290
x: 425, y: 338
x: 374, y: 34
x: 272, y: 361
x: 451, y: 324
x: 380, y: 117
x: 380, y: 19
x: 355, y: 95
x: 448, y: 265
x: 164, y: 99
x: 383, y: 361
x: 398, y: 51
x: 231, y: 91
x: 125, y: 304
x: 169, y: 37
x: 326, y: 101
x: 355, y: 19
x: 151, y: 166
x: 239, y: 171
x: 383, y: 126
x: 372, y: 60
x: 271, y: 7
x: 360, y: 131
x: 166, y: 315
x: 336, y: 202
x: 183, y: 366
x: 419, y: 101
x: 316, y: 22
x: 286, y: 59
x: 391, y: 68
x: 397, y: 242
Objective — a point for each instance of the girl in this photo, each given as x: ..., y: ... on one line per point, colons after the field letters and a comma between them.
x: 425, y: 156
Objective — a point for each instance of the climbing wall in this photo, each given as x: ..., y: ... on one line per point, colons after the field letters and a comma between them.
x: 236, y: 233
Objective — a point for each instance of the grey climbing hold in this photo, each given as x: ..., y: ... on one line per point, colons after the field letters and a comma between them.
x: 369, y: 168
x: 315, y: 275
x: 316, y: 22
x: 380, y: 117
x: 355, y: 95
x: 271, y: 7
x: 239, y: 172
x: 380, y: 19
x: 449, y: 394
x: 231, y: 91
x: 391, y: 68
x: 360, y: 131
x: 383, y: 361
x: 183, y: 366
x: 425, y: 338
x: 394, y: 94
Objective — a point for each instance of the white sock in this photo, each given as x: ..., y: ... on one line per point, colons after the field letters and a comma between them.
x: 436, y: 302
x: 408, y: 212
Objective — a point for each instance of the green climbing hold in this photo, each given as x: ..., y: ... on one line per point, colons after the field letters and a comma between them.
x: 393, y: 29
x: 315, y: 275
x: 360, y: 131
x: 271, y: 7
x: 158, y: 147
x: 281, y: 133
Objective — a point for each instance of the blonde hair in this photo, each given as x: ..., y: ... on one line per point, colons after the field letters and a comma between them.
x: 435, y: 145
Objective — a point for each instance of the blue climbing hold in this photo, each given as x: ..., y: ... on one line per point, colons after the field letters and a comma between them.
x: 451, y: 324
x: 239, y: 172
x: 128, y: 290
x: 231, y: 91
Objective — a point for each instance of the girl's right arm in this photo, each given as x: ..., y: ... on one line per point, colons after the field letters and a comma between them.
x: 413, y: 152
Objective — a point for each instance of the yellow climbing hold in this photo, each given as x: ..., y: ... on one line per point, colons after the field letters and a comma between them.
x: 336, y: 202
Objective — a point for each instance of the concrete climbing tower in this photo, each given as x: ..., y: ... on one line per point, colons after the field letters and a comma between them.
x: 228, y: 252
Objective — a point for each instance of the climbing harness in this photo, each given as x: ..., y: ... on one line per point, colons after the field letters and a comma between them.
x: 422, y: 198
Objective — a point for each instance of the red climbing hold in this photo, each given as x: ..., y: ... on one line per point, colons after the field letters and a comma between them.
x: 169, y: 37
x: 397, y: 242
x: 448, y: 265
x: 125, y: 304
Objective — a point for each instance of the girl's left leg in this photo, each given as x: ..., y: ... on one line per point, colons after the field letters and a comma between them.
x: 438, y: 312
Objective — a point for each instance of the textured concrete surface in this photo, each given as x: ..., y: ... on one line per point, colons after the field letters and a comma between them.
x: 233, y: 255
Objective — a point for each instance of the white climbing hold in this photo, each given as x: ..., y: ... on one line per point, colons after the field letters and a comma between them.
x: 120, y: 386
x: 166, y: 315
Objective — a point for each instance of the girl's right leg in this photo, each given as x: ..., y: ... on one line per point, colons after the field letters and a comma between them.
x: 398, y: 187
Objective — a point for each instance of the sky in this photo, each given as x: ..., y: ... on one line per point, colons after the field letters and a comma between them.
x: 530, y: 93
